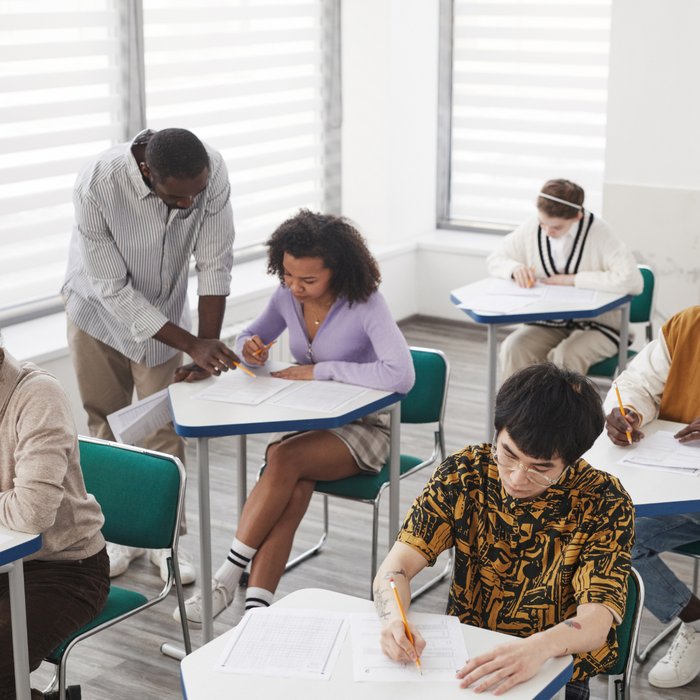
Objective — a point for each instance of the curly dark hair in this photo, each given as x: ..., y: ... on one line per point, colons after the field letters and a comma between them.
x: 176, y: 153
x: 334, y: 239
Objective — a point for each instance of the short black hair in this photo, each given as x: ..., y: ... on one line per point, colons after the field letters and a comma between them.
x: 334, y: 239
x: 176, y: 153
x: 550, y: 412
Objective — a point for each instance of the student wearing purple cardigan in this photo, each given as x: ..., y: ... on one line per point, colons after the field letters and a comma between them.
x: 340, y: 328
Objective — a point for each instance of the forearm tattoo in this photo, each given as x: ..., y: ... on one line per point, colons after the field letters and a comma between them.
x: 383, y: 595
x: 572, y: 623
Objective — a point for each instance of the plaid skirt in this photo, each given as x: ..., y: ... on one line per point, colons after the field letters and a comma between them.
x: 367, y: 439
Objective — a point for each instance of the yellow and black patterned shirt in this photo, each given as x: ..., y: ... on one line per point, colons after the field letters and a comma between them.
x: 524, y: 566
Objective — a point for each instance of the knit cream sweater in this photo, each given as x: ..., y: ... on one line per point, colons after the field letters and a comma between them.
x: 41, y: 485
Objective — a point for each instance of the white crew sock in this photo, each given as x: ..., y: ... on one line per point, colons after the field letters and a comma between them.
x: 258, y: 598
x: 229, y: 573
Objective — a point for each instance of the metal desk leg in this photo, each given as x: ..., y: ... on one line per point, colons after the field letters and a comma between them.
x: 394, y: 472
x: 20, y: 641
x: 242, y: 465
x: 205, y: 538
x: 624, y: 336
x: 491, y: 379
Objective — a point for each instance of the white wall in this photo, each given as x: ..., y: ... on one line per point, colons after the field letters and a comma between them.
x: 652, y: 168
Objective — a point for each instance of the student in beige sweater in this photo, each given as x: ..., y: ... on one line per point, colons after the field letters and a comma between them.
x: 565, y: 245
x: 42, y: 492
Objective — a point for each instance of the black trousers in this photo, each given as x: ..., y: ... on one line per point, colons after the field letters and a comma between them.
x: 61, y: 597
x: 577, y: 690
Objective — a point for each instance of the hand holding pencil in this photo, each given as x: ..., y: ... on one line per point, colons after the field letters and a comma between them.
x: 255, y: 352
x: 406, y: 625
x: 622, y: 424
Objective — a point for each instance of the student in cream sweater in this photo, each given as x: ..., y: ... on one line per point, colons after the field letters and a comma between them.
x: 565, y: 244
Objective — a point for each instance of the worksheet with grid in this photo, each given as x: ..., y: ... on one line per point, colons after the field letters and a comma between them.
x: 285, y: 643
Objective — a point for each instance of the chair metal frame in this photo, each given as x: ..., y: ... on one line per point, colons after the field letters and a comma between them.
x: 643, y: 655
x: 59, y: 678
x: 438, y: 450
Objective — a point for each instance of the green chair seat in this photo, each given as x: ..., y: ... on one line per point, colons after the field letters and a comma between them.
x: 119, y: 602
x: 692, y: 548
x: 608, y: 367
x: 364, y: 487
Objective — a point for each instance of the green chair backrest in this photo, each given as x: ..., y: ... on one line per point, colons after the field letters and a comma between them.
x: 138, y: 493
x: 640, y: 308
x: 423, y: 404
x: 624, y: 630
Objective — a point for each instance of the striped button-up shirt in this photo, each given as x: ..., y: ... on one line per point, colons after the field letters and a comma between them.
x: 129, y: 255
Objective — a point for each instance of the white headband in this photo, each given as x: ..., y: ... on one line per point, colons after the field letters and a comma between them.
x: 561, y: 201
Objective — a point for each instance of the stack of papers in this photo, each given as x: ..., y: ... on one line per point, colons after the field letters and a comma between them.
x: 238, y: 387
x: 320, y: 396
x: 662, y: 451
x: 133, y: 423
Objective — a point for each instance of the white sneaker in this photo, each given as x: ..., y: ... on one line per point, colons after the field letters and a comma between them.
x: 221, y: 599
x: 120, y: 556
x: 159, y: 557
x: 681, y: 663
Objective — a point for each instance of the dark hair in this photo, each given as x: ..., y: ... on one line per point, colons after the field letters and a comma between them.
x: 334, y: 239
x: 550, y: 412
x: 176, y: 153
x: 561, y: 189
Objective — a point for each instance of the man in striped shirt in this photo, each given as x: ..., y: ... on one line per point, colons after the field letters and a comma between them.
x: 142, y: 211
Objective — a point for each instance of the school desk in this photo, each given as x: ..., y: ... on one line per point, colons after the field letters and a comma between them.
x: 538, y: 311
x: 653, y: 492
x: 205, y: 419
x: 200, y: 682
x: 12, y: 551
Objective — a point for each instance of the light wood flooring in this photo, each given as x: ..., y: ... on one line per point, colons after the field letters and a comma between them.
x: 125, y: 662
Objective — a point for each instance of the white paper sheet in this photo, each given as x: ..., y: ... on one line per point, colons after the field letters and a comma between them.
x: 568, y: 295
x: 498, y: 303
x: 445, y: 652
x: 512, y: 288
x: 320, y: 396
x: 285, y: 643
x: 5, y: 538
x: 239, y: 387
x: 662, y: 451
x: 133, y: 423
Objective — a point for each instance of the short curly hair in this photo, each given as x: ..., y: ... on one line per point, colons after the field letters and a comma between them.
x: 176, y: 153
x: 334, y: 239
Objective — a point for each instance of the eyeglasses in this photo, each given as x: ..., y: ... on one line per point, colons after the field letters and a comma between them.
x: 511, y: 464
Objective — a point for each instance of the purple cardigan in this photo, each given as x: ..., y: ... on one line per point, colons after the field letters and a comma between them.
x: 357, y: 345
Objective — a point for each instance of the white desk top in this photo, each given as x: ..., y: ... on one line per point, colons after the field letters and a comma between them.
x: 197, y: 418
x: 19, y: 546
x: 200, y: 682
x: 653, y: 492
x: 538, y: 311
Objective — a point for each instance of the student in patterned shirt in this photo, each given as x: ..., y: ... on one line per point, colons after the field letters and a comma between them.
x: 542, y: 539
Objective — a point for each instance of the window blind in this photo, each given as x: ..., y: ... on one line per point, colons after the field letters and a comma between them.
x: 247, y: 78
x: 529, y: 94
x: 60, y: 105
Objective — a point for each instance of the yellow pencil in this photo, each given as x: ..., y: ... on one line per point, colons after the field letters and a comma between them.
x: 405, y: 622
x: 257, y: 352
x: 529, y: 282
x: 622, y: 411
x: 247, y: 371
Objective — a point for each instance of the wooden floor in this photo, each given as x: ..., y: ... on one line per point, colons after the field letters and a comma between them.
x: 125, y: 662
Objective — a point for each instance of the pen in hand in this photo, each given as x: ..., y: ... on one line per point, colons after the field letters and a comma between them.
x: 622, y: 411
x: 405, y: 622
x: 259, y: 350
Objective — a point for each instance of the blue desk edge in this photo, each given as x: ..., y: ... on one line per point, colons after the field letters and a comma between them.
x: 19, y: 551
x: 281, y: 426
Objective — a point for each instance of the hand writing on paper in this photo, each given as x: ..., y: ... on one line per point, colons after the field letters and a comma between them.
x: 251, y: 346
x: 295, y: 372
x: 566, y: 280
x: 396, y: 644
x: 690, y: 432
x: 617, y: 425
x: 515, y: 661
x: 525, y: 276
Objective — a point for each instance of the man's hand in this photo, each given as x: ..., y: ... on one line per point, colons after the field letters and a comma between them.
x: 249, y: 349
x: 296, y: 372
x: 566, y: 280
x: 515, y: 661
x: 690, y: 432
x: 210, y: 356
x: 525, y: 277
x: 616, y: 426
x: 396, y: 644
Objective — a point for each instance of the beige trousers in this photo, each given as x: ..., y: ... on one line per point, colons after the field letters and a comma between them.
x: 574, y: 349
x: 106, y: 381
